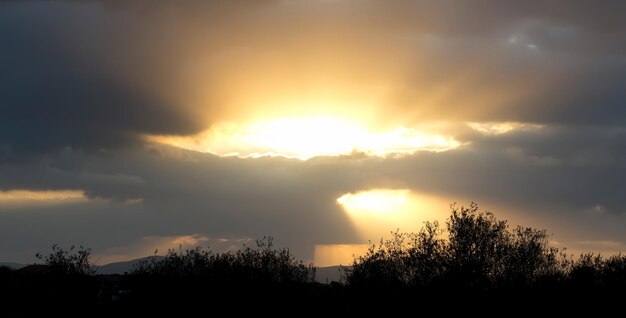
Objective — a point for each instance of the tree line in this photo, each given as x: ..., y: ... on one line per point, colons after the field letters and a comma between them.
x: 473, y: 255
x: 475, y: 250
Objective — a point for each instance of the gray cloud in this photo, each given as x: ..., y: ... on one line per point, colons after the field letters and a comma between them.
x: 182, y: 193
x: 52, y: 97
x: 186, y: 193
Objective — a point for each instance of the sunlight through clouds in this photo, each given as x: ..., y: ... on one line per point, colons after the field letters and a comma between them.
x: 305, y: 138
x: 377, y: 212
x: 499, y: 128
x: 338, y: 254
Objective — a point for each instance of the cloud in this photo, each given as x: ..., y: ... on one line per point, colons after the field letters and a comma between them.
x: 182, y: 192
x: 96, y: 74
x: 55, y: 95
x: 160, y: 245
x: 576, y: 166
x: 185, y: 192
x: 82, y: 82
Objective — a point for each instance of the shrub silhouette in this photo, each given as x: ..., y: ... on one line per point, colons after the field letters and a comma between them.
x: 480, y: 252
x: 61, y: 261
x: 262, y: 263
x: 65, y: 280
x: 614, y: 271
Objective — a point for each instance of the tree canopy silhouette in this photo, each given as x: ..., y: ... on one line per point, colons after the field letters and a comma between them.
x: 262, y: 263
x: 68, y: 261
x: 478, y: 251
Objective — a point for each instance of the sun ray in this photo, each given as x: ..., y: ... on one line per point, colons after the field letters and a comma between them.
x: 377, y: 212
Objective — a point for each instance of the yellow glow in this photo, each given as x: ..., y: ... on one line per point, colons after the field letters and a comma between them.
x: 383, y: 202
x: 19, y: 196
x: 337, y: 254
x: 375, y: 213
x: 304, y: 138
x: 499, y: 128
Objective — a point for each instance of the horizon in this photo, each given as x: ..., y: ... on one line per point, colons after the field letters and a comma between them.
x: 134, y: 126
x: 347, y: 253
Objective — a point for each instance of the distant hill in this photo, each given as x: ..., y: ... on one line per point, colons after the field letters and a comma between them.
x: 324, y: 274
x: 12, y: 265
x: 122, y: 267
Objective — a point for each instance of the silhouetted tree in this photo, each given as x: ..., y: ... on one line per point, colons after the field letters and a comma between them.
x: 587, y: 270
x: 414, y: 259
x: 426, y: 255
x: 479, y: 253
x: 614, y: 271
x: 477, y: 247
x: 68, y: 261
x: 530, y: 258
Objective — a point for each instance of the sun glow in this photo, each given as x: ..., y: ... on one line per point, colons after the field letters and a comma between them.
x: 375, y: 213
x: 304, y: 138
x: 337, y: 254
x: 379, y: 202
x: 499, y: 128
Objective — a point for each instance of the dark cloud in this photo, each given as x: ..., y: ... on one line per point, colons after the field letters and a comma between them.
x: 53, y: 98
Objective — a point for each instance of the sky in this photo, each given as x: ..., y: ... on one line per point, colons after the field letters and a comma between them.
x: 135, y: 126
